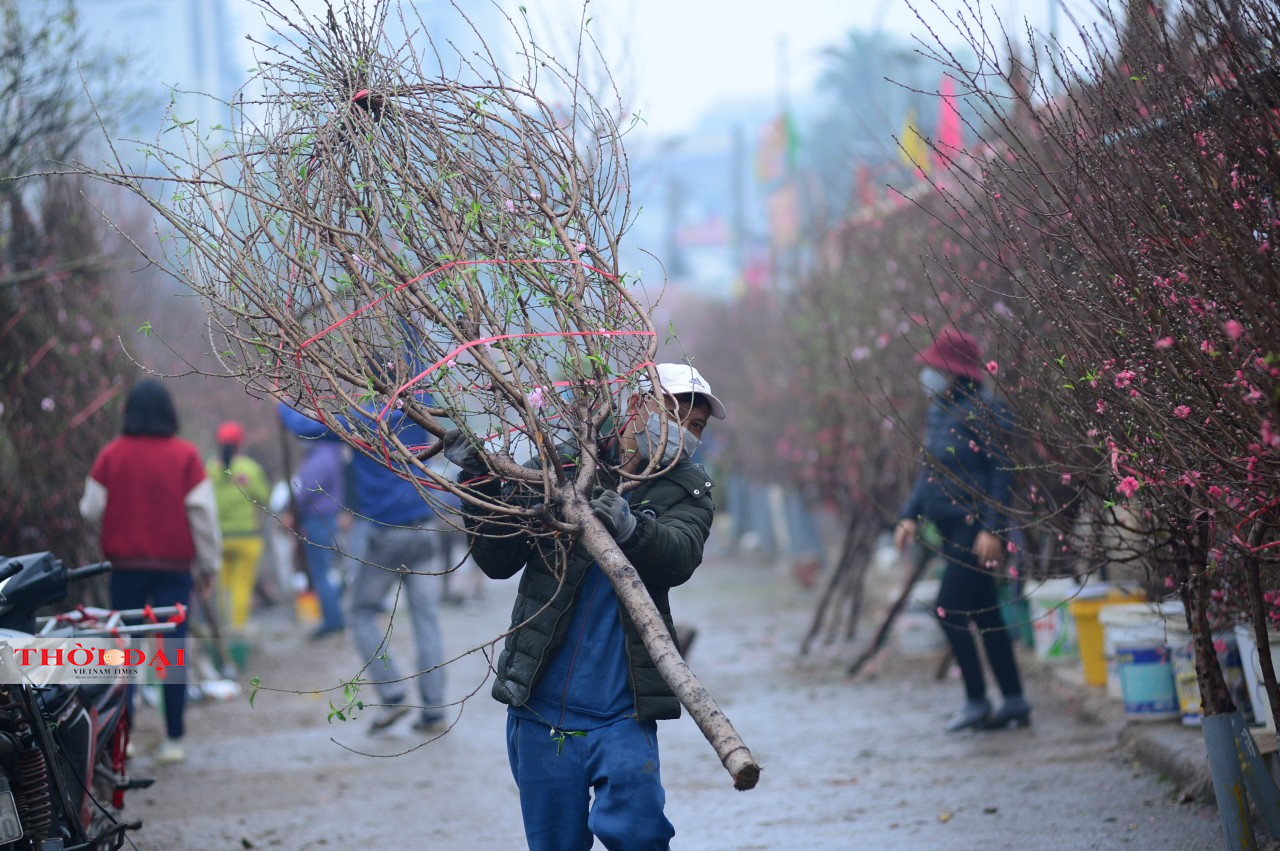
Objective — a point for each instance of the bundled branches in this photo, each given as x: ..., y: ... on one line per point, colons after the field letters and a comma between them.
x: 385, y: 239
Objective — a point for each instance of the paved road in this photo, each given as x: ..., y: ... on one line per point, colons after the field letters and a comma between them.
x: 846, y: 765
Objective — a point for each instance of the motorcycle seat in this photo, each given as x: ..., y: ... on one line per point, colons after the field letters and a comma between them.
x: 92, y: 693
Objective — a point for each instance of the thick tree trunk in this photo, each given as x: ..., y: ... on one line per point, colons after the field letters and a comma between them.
x: 1215, y: 697
x: 861, y: 556
x: 833, y: 586
x: 1221, y: 744
x: 921, y: 557
x: 713, y: 723
x: 1258, y: 614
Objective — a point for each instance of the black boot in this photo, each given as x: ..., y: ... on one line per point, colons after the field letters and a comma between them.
x: 1013, y: 712
x: 974, y: 713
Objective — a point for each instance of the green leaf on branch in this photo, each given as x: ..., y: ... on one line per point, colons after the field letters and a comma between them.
x: 560, y: 736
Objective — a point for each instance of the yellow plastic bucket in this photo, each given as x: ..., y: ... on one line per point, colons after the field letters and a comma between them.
x: 1089, y: 630
x: 306, y: 609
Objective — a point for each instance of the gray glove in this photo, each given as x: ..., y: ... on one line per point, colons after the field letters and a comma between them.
x: 462, y: 451
x: 614, y: 512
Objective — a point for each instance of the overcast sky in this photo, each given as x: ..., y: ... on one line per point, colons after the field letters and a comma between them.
x: 682, y: 56
x: 677, y: 58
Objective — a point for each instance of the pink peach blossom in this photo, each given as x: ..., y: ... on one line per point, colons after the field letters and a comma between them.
x: 1270, y: 437
x: 1128, y: 486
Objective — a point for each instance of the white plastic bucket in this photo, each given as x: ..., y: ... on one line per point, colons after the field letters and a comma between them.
x: 1052, y: 627
x: 1146, y: 681
x: 1252, y: 666
x: 1134, y: 625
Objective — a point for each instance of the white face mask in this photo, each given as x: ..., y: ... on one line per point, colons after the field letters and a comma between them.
x: 934, y: 383
x: 680, y: 442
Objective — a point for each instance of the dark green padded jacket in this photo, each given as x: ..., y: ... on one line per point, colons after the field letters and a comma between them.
x: 673, y: 518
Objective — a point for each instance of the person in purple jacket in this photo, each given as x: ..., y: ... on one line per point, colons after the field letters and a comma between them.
x: 318, y: 493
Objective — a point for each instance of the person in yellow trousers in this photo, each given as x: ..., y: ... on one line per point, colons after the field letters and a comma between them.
x: 241, y: 489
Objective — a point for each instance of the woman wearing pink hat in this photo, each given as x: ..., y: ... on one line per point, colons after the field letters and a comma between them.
x: 963, y: 490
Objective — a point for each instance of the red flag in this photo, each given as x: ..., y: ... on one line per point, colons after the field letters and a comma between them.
x: 950, y: 134
x: 866, y: 189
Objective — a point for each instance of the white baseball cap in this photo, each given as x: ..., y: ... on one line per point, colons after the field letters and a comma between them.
x: 678, y: 378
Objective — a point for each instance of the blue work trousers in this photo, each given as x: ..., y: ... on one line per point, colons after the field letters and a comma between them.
x: 133, y: 589
x: 619, y: 763
x: 320, y: 534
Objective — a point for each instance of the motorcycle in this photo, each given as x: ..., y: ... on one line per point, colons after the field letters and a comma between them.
x: 64, y: 746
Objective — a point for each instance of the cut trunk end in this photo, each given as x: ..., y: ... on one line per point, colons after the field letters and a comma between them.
x: 743, y: 768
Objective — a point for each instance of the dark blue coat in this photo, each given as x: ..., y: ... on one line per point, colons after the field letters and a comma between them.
x: 966, y: 471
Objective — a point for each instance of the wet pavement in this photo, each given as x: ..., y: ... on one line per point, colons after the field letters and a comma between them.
x: 846, y: 765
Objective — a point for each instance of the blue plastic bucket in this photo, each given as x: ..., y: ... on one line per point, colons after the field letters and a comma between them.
x: 1146, y: 682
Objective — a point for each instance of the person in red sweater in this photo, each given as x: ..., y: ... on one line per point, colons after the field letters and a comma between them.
x: 149, y: 496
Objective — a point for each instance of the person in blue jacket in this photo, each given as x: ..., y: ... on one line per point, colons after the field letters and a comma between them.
x: 964, y: 490
x: 400, y: 542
